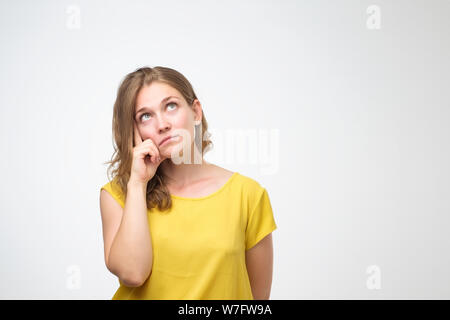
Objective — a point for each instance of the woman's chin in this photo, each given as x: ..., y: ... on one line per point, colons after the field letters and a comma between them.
x: 171, y: 151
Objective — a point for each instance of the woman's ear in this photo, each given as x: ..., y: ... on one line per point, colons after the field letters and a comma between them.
x: 198, y: 112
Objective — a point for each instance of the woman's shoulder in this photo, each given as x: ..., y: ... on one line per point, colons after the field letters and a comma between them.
x: 225, y: 175
x: 241, y: 183
x: 112, y: 184
x: 114, y: 188
x: 248, y: 189
x: 249, y: 183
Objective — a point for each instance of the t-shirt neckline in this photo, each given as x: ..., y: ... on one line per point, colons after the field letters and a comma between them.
x: 210, y: 195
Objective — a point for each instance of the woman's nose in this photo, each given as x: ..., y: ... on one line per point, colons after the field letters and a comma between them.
x: 163, y: 124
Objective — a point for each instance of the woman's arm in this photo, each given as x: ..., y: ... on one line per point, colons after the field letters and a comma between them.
x: 259, y: 261
x: 127, y: 240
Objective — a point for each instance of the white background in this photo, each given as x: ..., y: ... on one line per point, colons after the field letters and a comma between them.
x: 362, y: 174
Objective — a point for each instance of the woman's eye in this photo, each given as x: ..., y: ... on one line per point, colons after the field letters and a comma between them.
x: 170, y: 103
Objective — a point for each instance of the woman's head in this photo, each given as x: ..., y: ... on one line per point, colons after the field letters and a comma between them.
x: 141, y: 99
x: 161, y: 111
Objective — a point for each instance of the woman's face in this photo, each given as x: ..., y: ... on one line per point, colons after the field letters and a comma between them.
x: 160, y: 112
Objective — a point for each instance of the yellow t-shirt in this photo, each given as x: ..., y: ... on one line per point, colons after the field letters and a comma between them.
x: 199, y: 244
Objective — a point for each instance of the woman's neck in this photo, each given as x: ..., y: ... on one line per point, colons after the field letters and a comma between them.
x: 183, y: 174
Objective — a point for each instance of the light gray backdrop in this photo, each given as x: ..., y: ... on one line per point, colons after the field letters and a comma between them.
x: 348, y: 101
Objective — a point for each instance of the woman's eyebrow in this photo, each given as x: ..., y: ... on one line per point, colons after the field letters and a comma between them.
x: 145, y: 108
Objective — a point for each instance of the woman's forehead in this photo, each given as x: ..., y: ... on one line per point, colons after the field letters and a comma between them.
x: 153, y: 95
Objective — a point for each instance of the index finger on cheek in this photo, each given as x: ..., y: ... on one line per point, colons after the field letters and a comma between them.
x: 136, y: 134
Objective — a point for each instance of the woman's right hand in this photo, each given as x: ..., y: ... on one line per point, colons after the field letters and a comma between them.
x: 146, y: 159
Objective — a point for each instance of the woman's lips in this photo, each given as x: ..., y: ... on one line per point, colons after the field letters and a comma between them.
x: 168, y: 139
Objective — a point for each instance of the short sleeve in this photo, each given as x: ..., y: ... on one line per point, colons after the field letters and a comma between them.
x: 260, y: 221
x: 115, y: 191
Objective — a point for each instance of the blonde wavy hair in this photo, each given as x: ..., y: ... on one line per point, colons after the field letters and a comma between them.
x: 119, y: 168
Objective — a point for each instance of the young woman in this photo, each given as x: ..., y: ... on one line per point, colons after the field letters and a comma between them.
x: 175, y: 226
